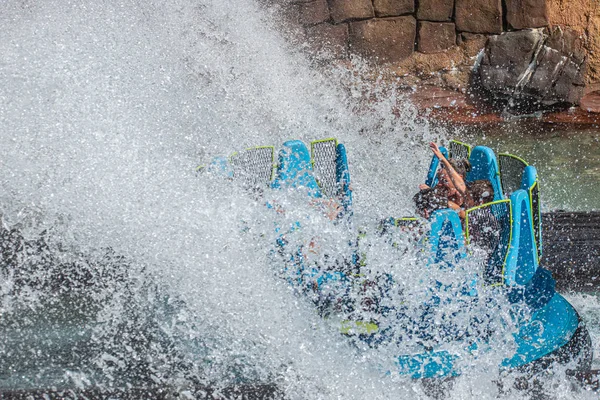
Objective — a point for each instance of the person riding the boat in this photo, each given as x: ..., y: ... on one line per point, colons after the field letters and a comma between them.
x: 452, y: 176
x: 461, y: 194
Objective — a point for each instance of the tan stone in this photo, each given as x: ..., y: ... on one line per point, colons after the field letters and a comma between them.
x: 457, y: 79
x: 346, y: 10
x: 313, y: 13
x: 422, y: 64
x: 471, y: 43
x: 584, y: 17
x: 393, y: 8
x: 383, y: 40
x: 573, y: 13
x: 435, y: 37
x: 593, y: 61
x: 478, y: 16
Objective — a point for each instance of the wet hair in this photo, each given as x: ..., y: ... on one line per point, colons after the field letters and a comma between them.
x: 461, y: 166
x: 431, y: 199
x: 481, y: 191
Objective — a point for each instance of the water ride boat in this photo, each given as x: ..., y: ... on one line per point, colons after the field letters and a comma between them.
x: 503, y: 237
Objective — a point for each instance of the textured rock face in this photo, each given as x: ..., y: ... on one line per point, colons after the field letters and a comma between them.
x: 506, y: 59
x: 435, y: 10
x: 583, y: 17
x: 436, y: 42
x: 386, y: 40
x: 346, y: 10
x: 572, y: 13
x: 314, y: 12
x: 435, y: 37
x: 534, y: 68
x: 521, y: 14
x: 479, y: 16
x: 332, y: 39
x: 593, y: 62
x: 392, y: 8
x: 471, y: 43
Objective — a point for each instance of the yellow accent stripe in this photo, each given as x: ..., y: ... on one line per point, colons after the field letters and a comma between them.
x: 537, y: 253
x: 273, y: 164
x: 515, y: 157
x: 468, y: 146
x: 312, y: 147
x: 396, y: 220
x: 358, y: 328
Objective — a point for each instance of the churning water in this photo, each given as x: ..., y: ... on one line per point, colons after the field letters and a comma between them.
x: 123, y: 268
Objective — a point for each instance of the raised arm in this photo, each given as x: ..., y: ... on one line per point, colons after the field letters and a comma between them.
x: 457, y: 180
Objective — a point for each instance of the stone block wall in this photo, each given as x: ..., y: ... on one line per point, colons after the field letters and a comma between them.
x: 389, y: 31
x: 435, y: 42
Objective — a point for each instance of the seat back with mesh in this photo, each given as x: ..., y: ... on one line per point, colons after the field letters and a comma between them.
x: 459, y: 150
x: 254, y: 167
x: 511, y: 173
x: 488, y: 227
x: 324, y: 156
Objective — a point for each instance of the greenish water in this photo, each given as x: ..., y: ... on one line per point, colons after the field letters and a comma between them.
x: 567, y: 159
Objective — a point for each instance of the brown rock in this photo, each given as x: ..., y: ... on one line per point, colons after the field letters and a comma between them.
x: 435, y: 37
x: 522, y: 14
x: 573, y: 13
x: 471, y: 43
x: 423, y: 65
x: 591, y: 102
x: 583, y: 16
x: 593, y: 60
x: 393, y: 8
x: 384, y: 40
x: 428, y: 97
x: 478, y: 16
x: 457, y: 79
x: 435, y: 10
x: 314, y: 13
x: 346, y: 10
x: 328, y: 41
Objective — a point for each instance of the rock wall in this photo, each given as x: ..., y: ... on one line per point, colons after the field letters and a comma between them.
x: 436, y: 42
x: 582, y: 17
x: 389, y: 31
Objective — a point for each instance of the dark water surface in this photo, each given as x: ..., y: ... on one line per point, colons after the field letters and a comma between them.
x: 567, y: 159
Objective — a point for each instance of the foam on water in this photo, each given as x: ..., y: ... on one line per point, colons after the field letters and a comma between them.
x: 106, y: 110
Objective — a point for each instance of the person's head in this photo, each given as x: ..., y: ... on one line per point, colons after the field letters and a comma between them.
x: 481, y: 191
x: 429, y: 200
x: 461, y: 166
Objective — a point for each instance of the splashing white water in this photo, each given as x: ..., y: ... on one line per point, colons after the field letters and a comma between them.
x: 107, y: 108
